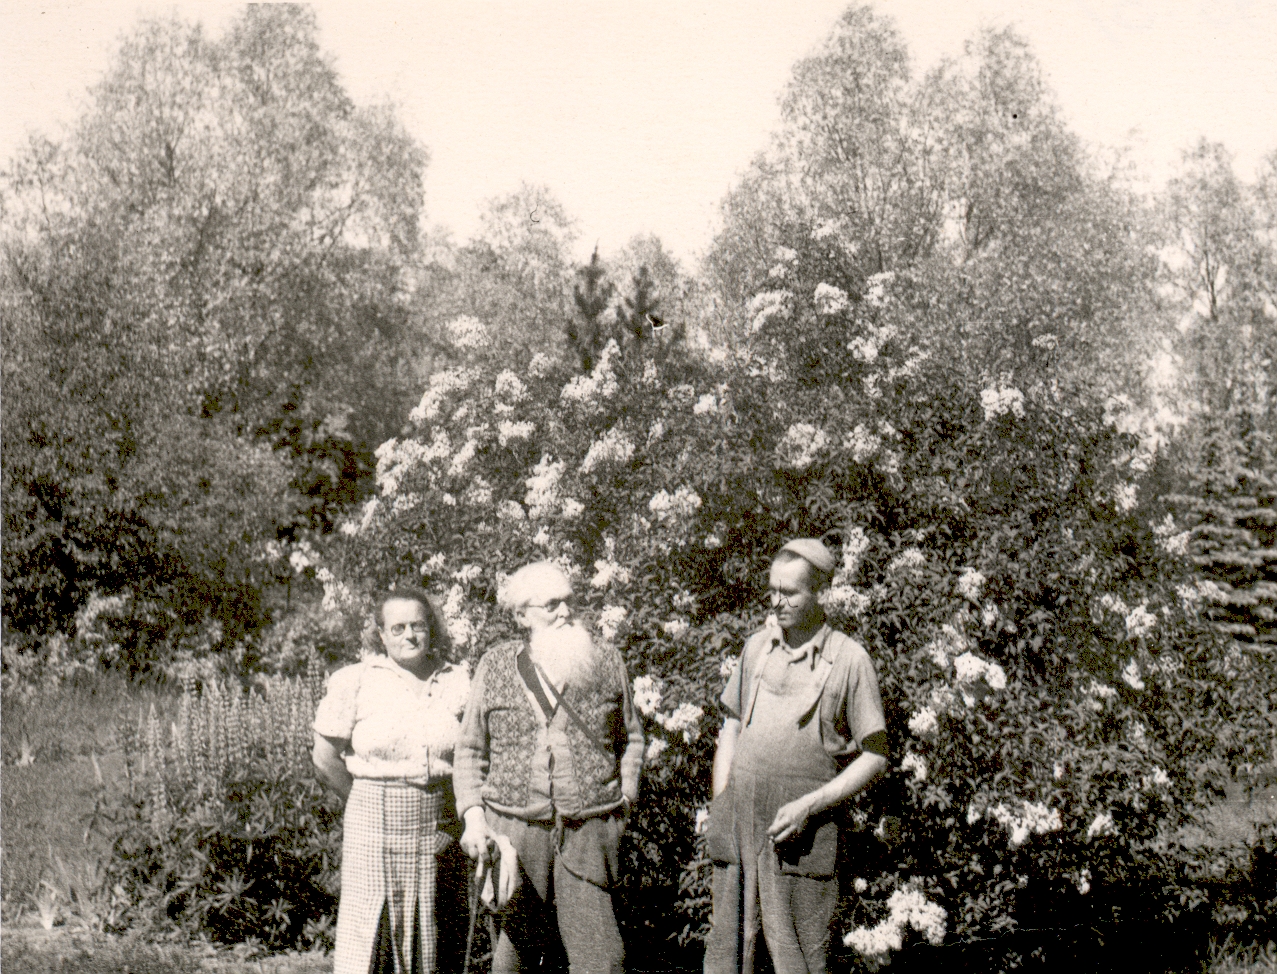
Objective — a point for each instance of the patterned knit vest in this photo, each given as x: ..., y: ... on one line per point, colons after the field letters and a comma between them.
x: 595, y: 695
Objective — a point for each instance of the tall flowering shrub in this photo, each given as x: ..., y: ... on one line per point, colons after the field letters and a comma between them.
x: 1057, y: 704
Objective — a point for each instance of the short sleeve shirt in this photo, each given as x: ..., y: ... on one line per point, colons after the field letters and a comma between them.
x: 850, y: 702
x: 399, y: 727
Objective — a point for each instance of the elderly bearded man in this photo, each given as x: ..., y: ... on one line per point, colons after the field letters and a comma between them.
x: 805, y: 732
x: 549, y: 757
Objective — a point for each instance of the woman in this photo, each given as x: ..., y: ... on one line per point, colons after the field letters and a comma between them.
x: 384, y: 736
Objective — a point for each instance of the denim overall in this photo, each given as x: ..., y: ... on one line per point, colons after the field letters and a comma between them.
x: 786, y: 890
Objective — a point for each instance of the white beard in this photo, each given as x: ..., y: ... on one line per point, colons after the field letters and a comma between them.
x: 562, y: 651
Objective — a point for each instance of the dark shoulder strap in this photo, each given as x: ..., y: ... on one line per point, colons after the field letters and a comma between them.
x: 567, y: 708
x: 524, y: 664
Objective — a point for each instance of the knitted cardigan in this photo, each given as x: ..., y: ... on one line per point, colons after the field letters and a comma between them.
x: 595, y: 695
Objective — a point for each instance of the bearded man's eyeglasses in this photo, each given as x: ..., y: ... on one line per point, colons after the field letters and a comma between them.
x: 552, y: 606
x: 399, y: 628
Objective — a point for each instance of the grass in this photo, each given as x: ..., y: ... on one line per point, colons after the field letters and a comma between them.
x: 60, y: 758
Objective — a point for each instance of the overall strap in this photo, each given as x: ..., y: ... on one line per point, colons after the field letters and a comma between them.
x: 569, y: 710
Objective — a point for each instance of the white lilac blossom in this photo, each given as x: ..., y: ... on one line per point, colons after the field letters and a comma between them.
x: 1113, y: 604
x: 540, y: 365
x: 607, y: 571
x: 924, y: 723
x: 478, y: 493
x: 674, y: 628
x: 1057, y: 771
x: 916, y: 764
x: 989, y: 615
x: 862, y: 443
x: 509, y: 510
x: 542, y: 497
x: 1084, y: 881
x: 973, y: 814
x: 650, y: 377
x: 336, y: 593
x: 1124, y: 496
x: 824, y: 230
x: 656, y: 432
x: 801, y: 445
x: 460, y: 628
x: 438, y: 387
x: 907, y: 908
x: 647, y: 695
x: 509, y: 386
x: 1158, y: 779
x: 766, y: 305
x: 462, y: 460
x: 707, y: 403
x: 685, y: 720
x: 970, y: 582
x: 1046, y: 341
x: 938, y: 652
x: 907, y: 560
x: 1034, y: 818
x: 1131, y: 676
x: 467, y: 332
x: 1139, y: 622
x: 612, y: 447
x: 995, y: 677
x: 998, y: 400
x: 860, y: 885
x: 467, y: 574
x: 610, y: 620
x: 397, y: 458
x: 599, y: 384
x: 572, y: 508
x: 507, y: 431
x: 302, y: 556
x: 865, y: 349
x: 876, y: 292
x: 683, y: 503
x: 968, y: 667
x: 654, y: 748
x: 1170, y: 540
x: 1102, y: 824
x: 729, y: 666
x: 713, y: 541
x: 830, y: 300
x: 845, y: 598
x: 542, y: 537
x: 702, y: 820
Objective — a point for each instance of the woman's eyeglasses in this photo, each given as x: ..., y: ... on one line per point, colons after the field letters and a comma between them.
x: 399, y: 628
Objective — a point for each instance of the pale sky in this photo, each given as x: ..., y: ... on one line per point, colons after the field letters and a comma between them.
x: 639, y: 114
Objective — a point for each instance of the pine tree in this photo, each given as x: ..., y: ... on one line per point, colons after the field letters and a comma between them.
x: 587, y: 331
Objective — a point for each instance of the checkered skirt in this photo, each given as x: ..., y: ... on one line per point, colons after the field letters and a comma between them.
x: 390, y: 839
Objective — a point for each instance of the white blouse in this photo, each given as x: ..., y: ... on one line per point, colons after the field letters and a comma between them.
x: 399, y: 727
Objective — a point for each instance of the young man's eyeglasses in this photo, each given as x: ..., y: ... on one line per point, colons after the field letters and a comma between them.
x: 399, y: 628
x: 790, y: 599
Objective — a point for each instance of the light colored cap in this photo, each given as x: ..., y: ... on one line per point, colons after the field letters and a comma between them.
x: 812, y: 550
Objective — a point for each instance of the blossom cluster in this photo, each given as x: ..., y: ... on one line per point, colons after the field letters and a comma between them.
x: 1001, y: 399
x: 438, y: 387
x: 467, y: 332
x: 599, y: 384
x: 680, y: 505
x: 801, y: 445
x: 830, y: 300
x: 906, y: 908
x: 612, y: 447
x: 766, y: 305
x: 1034, y: 818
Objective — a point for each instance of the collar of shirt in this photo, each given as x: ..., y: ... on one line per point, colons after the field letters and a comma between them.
x: 384, y: 662
x: 808, y: 651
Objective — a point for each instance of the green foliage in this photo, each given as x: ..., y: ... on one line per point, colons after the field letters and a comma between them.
x: 226, y: 832
x: 203, y: 321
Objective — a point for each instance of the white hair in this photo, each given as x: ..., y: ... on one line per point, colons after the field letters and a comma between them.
x: 526, y: 584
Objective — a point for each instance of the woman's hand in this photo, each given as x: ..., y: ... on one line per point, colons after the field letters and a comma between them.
x: 474, y: 840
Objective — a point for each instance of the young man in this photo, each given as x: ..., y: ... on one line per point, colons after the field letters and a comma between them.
x: 805, y: 733
x: 549, y: 757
